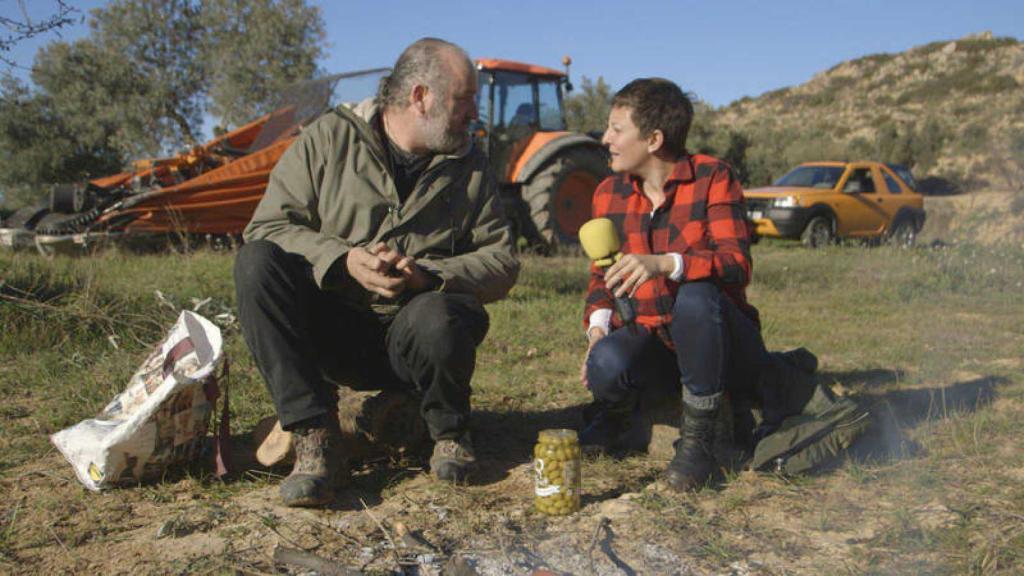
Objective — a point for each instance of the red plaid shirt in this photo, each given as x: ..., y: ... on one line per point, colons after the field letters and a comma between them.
x: 703, y: 218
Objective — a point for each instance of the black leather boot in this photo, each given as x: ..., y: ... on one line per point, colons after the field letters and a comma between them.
x: 694, y: 463
x: 607, y: 426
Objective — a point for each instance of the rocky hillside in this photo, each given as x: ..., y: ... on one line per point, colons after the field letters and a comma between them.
x: 953, y: 110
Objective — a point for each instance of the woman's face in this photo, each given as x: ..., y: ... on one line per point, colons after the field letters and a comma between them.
x: 629, y: 150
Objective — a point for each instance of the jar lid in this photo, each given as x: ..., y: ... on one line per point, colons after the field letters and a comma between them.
x: 558, y: 435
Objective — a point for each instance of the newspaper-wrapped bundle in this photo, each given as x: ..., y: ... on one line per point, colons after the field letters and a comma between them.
x: 160, y: 420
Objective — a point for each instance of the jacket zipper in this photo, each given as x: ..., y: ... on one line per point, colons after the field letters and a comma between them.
x: 780, y: 460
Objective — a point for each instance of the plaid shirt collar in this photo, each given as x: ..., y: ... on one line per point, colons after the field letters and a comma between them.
x: 682, y: 172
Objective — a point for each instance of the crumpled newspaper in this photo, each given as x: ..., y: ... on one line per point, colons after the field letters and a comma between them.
x: 162, y: 417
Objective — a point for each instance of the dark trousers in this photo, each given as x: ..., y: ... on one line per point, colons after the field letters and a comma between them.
x: 717, y: 349
x: 306, y: 341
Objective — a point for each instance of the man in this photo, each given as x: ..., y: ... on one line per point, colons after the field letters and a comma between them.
x: 368, y: 260
x: 686, y: 261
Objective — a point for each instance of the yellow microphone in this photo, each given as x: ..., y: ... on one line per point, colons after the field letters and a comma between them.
x: 601, y: 243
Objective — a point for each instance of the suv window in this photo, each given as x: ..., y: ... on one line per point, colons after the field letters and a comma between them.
x: 860, y: 181
x: 812, y: 177
x: 894, y: 188
x: 904, y: 173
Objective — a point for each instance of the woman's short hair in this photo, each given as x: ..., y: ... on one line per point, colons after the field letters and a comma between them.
x: 658, y: 104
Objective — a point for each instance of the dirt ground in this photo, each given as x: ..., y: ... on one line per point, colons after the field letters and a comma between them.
x: 189, y: 528
x: 395, y: 519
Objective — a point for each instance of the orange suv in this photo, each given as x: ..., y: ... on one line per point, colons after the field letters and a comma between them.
x: 819, y: 202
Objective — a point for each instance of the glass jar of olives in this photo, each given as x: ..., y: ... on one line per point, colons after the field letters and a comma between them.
x: 556, y: 467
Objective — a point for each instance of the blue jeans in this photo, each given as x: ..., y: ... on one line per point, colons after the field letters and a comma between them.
x: 717, y: 349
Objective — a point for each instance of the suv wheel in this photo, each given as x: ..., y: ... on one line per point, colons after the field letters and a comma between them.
x: 904, y: 234
x: 818, y: 232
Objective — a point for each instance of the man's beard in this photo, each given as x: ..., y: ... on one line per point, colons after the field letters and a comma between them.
x: 439, y: 139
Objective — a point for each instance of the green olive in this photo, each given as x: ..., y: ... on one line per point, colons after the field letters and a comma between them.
x: 557, y: 457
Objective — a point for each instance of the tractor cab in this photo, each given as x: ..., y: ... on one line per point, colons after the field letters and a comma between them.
x: 515, y: 101
x: 546, y: 173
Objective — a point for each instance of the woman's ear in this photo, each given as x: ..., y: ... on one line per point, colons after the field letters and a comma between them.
x: 654, y: 141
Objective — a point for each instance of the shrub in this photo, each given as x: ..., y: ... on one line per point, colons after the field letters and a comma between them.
x: 859, y: 149
x: 927, y: 143
x: 973, y: 138
x: 975, y: 45
x: 970, y: 79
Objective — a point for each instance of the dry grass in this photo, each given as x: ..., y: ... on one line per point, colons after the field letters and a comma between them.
x: 930, y: 339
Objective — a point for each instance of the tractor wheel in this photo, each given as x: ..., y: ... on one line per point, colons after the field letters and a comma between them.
x: 560, y: 193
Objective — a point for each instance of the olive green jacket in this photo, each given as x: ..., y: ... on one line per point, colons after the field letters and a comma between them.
x: 331, y: 191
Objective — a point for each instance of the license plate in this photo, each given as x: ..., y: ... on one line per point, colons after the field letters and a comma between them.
x: 756, y: 214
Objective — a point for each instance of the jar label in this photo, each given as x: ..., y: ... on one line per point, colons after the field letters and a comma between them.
x: 541, y: 485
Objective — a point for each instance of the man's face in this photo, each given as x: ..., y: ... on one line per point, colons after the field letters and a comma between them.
x: 450, y: 112
x: 628, y: 148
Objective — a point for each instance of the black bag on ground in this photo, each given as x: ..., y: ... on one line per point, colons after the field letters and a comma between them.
x: 804, y: 426
x: 823, y: 431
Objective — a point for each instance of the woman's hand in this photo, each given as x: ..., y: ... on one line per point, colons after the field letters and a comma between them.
x: 632, y: 270
x: 594, y: 334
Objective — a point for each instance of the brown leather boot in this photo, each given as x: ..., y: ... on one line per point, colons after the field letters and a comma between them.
x: 453, y: 460
x: 318, y: 465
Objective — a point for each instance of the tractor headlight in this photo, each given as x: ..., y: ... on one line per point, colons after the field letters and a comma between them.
x: 785, y: 202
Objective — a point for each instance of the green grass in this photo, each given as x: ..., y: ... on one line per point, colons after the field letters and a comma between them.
x: 931, y: 337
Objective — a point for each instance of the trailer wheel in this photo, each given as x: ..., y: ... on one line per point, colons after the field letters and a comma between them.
x: 26, y: 217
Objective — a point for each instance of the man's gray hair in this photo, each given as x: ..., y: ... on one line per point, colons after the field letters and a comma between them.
x: 423, y: 63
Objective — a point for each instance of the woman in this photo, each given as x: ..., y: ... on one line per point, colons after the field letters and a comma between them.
x: 685, y: 264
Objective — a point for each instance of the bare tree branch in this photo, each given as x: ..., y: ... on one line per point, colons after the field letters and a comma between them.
x: 16, y: 30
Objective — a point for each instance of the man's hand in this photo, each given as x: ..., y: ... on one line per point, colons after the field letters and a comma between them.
x: 416, y: 278
x: 594, y: 334
x: 375, y: 270
x: 387, y: 272
x: 632, y: 270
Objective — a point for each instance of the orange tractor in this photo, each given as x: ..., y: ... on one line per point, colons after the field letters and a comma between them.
x: 546, y: 174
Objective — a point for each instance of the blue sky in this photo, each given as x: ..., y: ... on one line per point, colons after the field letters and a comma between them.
x: 720, y: 51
